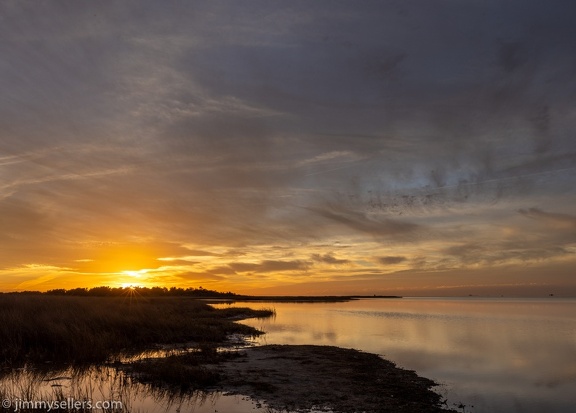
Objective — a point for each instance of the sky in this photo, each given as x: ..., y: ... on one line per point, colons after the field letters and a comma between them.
x: 289, y: 147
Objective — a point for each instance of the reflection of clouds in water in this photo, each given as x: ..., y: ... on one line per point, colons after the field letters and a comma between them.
x: 392, y: 314
x: 499, y: 355
x: 324, y: 336
x: 566, y: 375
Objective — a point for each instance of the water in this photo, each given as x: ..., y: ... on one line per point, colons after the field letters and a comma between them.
x: 497, y: 355
x: 111, y: 389
x: 492, y: 355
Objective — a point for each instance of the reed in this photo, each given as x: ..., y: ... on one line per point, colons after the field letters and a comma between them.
x: 72, y: 329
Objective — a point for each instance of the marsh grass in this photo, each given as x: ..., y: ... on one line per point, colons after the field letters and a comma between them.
x: 91, y: 384
x: 181, y: 373
x: 71, y: 329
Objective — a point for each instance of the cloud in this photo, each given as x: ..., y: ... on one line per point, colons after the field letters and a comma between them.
x: 20, y: 220
x: 361, y: 222
x: 224, y: 269
x: 390, y: 260
x: 176, y: 262
x: 199, y: 276
x: 132, y: 130
x: 555, y: 220
x: 506, y: 252
x: 466, y: 250
x: 328, y: 259
x: 268, y: 266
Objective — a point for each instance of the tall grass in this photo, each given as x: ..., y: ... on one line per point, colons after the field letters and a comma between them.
x: 42, y: 328
x: 95, y: 383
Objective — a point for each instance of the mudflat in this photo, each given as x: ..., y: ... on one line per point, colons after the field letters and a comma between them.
x: 326, y: 378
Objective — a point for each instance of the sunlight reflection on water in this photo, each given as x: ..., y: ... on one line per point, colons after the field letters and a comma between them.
x: 499, y: 355
x: 106, y: 384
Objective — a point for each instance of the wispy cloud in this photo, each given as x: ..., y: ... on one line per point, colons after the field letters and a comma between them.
x: 242, y: 142
x: 267, y: 266
x: 329, y: 259
x: 555, y: 220
x: 390, y: 260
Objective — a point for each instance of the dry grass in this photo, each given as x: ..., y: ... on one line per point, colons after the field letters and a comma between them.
x: 41, y: 328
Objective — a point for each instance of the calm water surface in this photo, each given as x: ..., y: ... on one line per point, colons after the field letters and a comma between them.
x: 102, y: 384
x: 498, y: 355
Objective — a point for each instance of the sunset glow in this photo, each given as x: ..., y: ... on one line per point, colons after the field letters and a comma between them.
x: 289, y: 149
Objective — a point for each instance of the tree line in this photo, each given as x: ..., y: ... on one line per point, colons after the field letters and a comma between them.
x: 105, y: 291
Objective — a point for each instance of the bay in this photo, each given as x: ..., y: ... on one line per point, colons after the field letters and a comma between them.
x: 490, y: 354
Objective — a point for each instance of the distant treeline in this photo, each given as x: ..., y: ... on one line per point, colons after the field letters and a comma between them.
x: 138, y: 291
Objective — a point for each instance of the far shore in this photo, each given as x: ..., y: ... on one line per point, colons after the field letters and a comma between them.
x: 200, y: 293
x: 298, y: 298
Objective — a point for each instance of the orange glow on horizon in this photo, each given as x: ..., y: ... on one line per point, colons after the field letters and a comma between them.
x: 363, y: 267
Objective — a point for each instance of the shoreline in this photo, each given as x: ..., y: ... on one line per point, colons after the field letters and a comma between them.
x: 295, y: 298
x: 304, y: 378
x: 66, y: 331
x: 327, y: 378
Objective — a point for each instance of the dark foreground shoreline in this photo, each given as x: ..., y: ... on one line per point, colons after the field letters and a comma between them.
x: 290, y: 378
